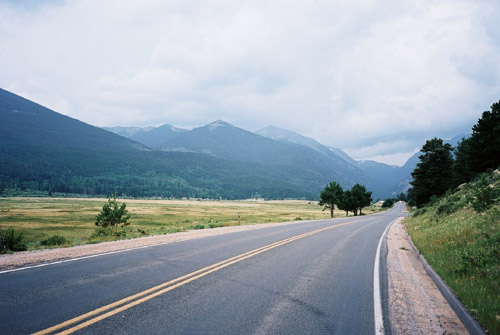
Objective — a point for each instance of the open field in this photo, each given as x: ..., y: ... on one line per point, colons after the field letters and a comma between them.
x: 41, y: 218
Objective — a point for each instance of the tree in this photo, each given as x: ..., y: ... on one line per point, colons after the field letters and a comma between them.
x: 112, y: 216
x: 432, y: 176
x: 348, y: 203
x: 481, y: 151
x: 362, y: 197
x: 388, y: 203
x: 331, y: 196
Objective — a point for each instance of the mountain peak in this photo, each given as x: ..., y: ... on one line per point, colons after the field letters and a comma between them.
x: 217, y: 124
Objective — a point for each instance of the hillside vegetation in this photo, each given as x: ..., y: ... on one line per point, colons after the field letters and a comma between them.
x: 459, y: 235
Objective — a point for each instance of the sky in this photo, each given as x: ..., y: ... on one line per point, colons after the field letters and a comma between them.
x: 376, y: 78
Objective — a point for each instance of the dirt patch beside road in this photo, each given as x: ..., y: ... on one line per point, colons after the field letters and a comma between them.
x: 415, y: 304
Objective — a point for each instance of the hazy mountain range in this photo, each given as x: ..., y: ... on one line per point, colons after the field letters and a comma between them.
x: 43, y: 150
x: 276, y: 146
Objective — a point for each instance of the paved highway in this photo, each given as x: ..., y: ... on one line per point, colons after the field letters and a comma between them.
x: 303, y: 278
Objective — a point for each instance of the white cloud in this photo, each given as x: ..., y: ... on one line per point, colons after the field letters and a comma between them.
x: 352, y: 74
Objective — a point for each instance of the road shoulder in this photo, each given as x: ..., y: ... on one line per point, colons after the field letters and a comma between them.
x: 29, y: 258
x: 415, y: 304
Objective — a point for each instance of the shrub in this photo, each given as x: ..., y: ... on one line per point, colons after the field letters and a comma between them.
x: 451, y: 204
x: 10, y: 240
x: 484, y: 194
x: 215, y: 225
x: 420, y: 211
x: 53, y: 240
x: 108, y: 231
x: 199, y: 226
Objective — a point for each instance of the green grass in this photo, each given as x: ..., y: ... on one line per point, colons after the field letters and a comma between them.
x: 463, y: 247
x: 41, y: 218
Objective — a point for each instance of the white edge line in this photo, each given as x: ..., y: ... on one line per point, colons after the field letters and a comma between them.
x: 377, y: 299
x: 83, y: 257
x: 111, y: 252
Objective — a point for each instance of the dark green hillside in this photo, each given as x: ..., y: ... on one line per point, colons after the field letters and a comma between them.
x: 139, y: 174
x: 23, y: 122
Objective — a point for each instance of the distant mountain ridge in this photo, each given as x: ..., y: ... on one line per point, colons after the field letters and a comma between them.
x: 23, y: 122
x: 149, y: 136
x: 44, y: 150
x: 275, y: 146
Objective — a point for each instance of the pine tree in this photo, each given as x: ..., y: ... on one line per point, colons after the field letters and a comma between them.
x: 331, y: 196
x: 481, y: 151
x: 112, y: 215
x: 433, y: 175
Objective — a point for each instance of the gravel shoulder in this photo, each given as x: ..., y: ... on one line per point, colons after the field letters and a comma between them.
x: 416, y: 306
x: 26, y: 258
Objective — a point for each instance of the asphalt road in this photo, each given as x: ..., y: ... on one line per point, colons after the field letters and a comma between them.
x: 303, y: 278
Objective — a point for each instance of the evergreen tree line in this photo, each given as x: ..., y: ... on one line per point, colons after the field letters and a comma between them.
x: 141, y: 174
x: 443, y: 167
x: 352, y: 200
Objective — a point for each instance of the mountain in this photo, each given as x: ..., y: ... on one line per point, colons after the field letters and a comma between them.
x: 152, y: 137
x: 306, y: 162
x: 305, y: 166
x: 287, y: 136
x: 127, y: 131
x: 43, y: 151
x: 25, y: 123
x: 384, y: 180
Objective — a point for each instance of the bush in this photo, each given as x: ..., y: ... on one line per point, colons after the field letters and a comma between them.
x: 53, y: 240
x: 215, y: 225
x: 199, y: 226
x: 484, y: 194
x: 420, y: 211
x: 450, y: 205
x: 10, y: 240
x: 108, y: 231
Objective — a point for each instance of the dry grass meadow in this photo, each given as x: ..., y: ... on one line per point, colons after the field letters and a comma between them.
x: 73, y: 219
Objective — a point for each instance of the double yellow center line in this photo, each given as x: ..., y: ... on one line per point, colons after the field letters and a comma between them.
x: 136, y: 299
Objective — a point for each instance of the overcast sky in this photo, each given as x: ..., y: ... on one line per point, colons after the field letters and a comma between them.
x: 375, y: 78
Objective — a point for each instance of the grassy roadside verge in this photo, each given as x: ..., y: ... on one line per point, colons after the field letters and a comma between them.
x: 42, y: 218
x: 463, y: 247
